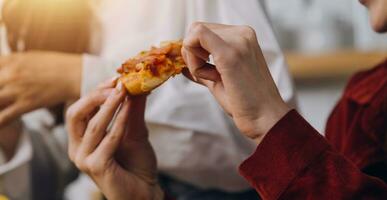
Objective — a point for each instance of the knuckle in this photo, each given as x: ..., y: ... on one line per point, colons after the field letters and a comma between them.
x: 70, y: 153
x: 185, y: 45
x: 245, y: 49
x: 71, y: 156
x: 197, y: 28
x: 230, y: 57
x: 195, y: 25
x: 93, y: 166
x: 233, y: 54
x: 248, y: 32
x: 80, y: 164
x: 200, y: 28
x: 245, y: 45
x: 94, y: 126
x: 71, y: 113
x: 113, y: 137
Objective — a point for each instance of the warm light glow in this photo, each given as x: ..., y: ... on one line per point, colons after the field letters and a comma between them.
x: 61, y: 25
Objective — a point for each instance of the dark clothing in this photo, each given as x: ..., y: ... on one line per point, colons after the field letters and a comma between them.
x: 295, y: 162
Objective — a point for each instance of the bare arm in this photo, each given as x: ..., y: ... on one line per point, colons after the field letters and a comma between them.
x: 9, y: 137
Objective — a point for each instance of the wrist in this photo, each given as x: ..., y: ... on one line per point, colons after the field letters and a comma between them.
x: 268, y: 117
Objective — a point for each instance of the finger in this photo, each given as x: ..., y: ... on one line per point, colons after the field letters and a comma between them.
x: 194, y: 63
x: 185, y: 70
x: 200, y: 52
x: 82, y: 108
x: 188, y: 75
x: 208, y: 72
x: 200, y: 69
x: 7, y: 97
x: 110, y: 143
x: 78, y: 114
x: 97, y: 126
x: 5, y: 77
x: 11, y: 112
x: 136, y: 128
x: 4, y: 60
x: 201, y: 36
x: 110, y: 83
x: 215, y: 26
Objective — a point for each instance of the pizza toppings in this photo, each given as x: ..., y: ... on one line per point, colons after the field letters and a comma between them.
x: 150, y: 69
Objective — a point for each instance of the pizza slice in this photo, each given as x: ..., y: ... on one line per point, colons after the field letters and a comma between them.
x: 150, y: 69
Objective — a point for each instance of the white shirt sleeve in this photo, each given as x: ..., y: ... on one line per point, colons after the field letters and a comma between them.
x: 95, y: 70
x: 206, y: 160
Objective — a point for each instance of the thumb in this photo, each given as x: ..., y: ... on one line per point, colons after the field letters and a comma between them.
x: 208, y: 72
x: 136, y: 128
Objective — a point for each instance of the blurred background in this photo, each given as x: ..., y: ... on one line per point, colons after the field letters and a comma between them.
x: 325, y: 41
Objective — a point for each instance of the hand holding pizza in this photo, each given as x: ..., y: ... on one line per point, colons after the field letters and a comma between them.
x: 239, y: 80
x: 119, y: 158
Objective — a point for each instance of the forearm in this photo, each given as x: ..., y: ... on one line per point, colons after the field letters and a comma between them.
x: 295, y: 162
x: 9, y: 138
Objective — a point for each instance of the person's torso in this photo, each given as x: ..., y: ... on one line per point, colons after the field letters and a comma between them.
x: 123, y: 28
x: 357, y: 126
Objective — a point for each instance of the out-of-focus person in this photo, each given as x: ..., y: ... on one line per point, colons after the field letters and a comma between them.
x: 33, y: 146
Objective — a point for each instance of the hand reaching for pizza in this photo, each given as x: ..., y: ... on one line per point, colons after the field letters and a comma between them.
x: 240, y: 79
x: 119, y: 159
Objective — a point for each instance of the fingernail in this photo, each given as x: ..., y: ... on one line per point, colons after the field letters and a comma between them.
x: 115, y: 78
x: 119, y: 87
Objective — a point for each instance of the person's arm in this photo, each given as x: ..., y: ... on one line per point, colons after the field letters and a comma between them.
x: 292, y: 160
x: 254, y: 14
x: 17, y: 152
x: 15, y: 156
x: 37, y: 79
x: 295, y: 162
x: 36, y: 150
x: 9, y: 139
